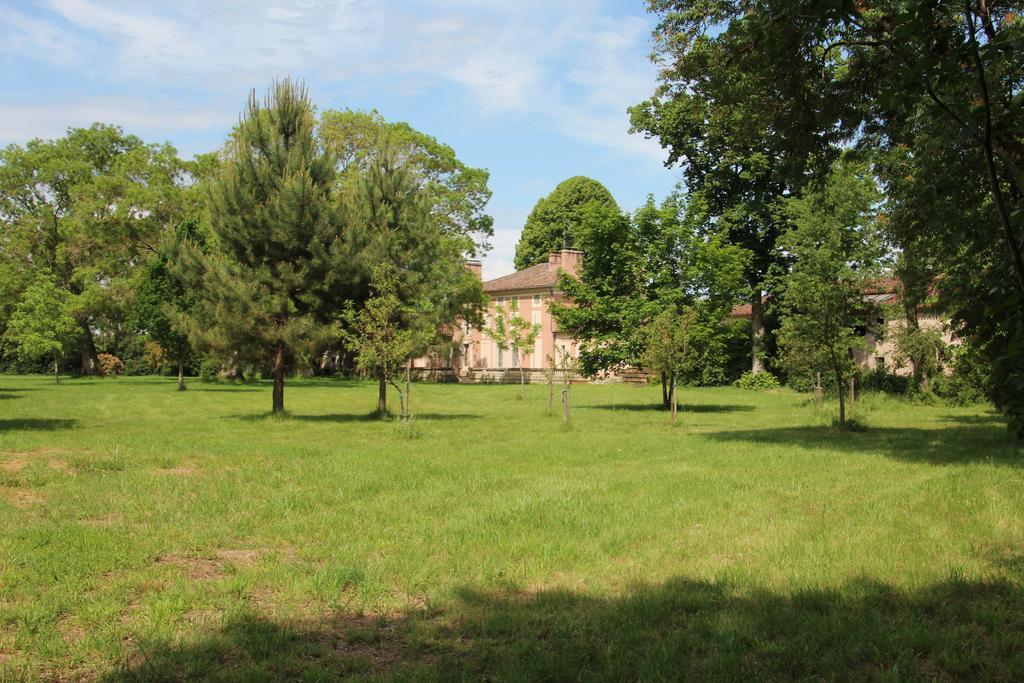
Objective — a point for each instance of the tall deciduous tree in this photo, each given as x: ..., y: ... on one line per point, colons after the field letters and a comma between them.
x: 745, y: 119
x: 940, y: 84
x: 837, y: 254
x: 457, y: 193
x: 89, y: 208
x: 278, y: 238
x: 561, y: 219
x: 635, y: 268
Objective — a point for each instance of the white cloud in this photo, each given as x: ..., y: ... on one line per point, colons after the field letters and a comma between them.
x: 570, y: 69
x: 499, y: 261
x: 25, y: 121
x: 35, y: 38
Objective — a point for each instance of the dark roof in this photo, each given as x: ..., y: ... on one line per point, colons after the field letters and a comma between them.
x: 534, y: 277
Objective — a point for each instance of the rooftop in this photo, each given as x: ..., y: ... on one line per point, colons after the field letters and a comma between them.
x: 540, y: 276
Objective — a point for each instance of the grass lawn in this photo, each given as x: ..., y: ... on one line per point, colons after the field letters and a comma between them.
x: 146, y: 533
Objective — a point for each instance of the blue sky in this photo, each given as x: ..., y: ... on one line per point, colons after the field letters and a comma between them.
x: 533, y: 91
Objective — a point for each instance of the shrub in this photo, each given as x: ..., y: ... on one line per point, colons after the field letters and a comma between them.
x: 760, y: 380
x: 111, y: 364
x: 887, y: 382
x: 967, y: 384
x: 209, y: 370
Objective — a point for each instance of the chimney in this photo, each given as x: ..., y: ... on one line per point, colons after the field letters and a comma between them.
x: 475, y: 267
x: 566, y: 259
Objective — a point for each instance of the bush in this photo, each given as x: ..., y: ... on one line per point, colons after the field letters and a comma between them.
x: 760, y: 380
x: 209, y: 370
x: 884, y: 381
x: 967, y: 384
x: 111, y: 364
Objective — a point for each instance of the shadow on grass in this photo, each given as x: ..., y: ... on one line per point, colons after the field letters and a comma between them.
x: 683, y: 408
x: 988, y: 419
x: 983, y: 442
x: 342, y: 418
x: 213, y: 388
x: 685, y: 628
x: 36, y: 424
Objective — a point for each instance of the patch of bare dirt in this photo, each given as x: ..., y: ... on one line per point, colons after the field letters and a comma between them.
x: 199, y: 568
x: 179, y: 471
x: 15, y: 465
x: 71, y: 630
x: 196, y: 568
x: 23, y: 499
x: 240, y: 557
x: 109, y: 519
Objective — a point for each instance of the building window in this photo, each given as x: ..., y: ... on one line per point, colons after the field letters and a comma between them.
x: 536, y: 317
x: 515, y: 356
x: 501, y: 301
x: 880, y: 362
x: 514, y: 300
x: 501, y: 357
x: 536, y: 299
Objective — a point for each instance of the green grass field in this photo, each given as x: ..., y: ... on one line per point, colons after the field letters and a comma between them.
x: 146, y: 533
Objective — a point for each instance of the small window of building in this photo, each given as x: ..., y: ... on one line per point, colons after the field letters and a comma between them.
x: 880, y: 362
x: 536, y: 317
x: 536, y: 299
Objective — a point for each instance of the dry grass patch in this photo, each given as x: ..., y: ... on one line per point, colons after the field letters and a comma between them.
x: 179, y: 471
x: 22, y: 499
x: 240, y: 557
x: 196, y: 568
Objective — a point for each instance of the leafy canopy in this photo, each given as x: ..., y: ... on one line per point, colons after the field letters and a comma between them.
x: 562, y: 219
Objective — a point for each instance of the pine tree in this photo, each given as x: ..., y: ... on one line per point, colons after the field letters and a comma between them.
x: 279, y: 244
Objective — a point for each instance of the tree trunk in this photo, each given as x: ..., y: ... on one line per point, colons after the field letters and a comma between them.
x: 664, y: 390
x: 819, y: 391
x: 522, y: 382
x: 853, y: 395
x: 565, y: 407
x: 675, y: 405
x: 756, y: 332
x: 382, y: 394
x: 551, y: 391
x: 90, y: 358
x: 842, y: 400
x: 181, y: 375
x: 56, y: 367
x: 279, y: 379
x: 405, y: 406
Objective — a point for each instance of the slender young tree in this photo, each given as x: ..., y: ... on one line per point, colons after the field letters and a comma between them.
x: 279, y: 242
x: 395, y: 224
x: 384, y: 333
x: 837, y: 256
x: 669, y: 349
x: 512, y: 332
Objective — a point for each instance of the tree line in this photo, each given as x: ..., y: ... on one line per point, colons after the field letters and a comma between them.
x: 303, y: 235
x: 820, y: 139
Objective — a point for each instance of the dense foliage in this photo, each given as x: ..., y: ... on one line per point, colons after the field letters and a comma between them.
x: 235, y: 263
x: 564, y: 219
x: 640, y: 266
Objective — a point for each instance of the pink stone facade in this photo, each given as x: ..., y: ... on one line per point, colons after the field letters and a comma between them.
x: 531, y: 290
